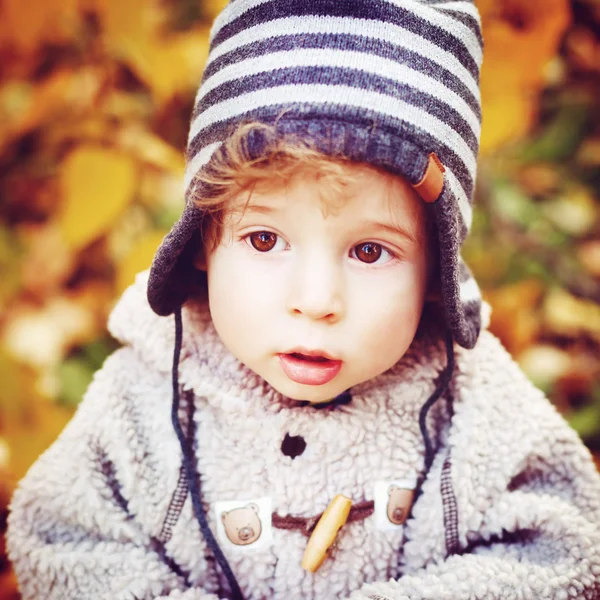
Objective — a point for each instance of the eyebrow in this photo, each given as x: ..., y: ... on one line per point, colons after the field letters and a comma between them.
x: 259, y: 208
x: 393, y: 229
x: 253, y: 208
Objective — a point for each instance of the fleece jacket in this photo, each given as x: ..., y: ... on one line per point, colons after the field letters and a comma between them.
x: 510, y: 508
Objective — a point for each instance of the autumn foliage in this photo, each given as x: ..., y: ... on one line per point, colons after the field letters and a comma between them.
x: 95, y: 98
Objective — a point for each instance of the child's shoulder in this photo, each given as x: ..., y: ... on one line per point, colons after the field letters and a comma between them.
x: 133, y: 323
x: 493, y: 393
x: 490, y: 366
x: 133, y: 385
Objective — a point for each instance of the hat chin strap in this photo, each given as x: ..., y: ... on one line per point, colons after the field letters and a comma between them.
x: 189, y: 464
x: 440, y: 388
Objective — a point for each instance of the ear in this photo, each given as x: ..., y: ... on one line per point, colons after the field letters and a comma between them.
x: 433, y: 292
x: 224, y: 516
x: 254, y: 507
x: 199, y: 260
x: 433, y: 295
x: 392, y: 488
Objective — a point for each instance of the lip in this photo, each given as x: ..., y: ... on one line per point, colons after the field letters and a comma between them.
x: 309, y: 372
x: 308, y: 352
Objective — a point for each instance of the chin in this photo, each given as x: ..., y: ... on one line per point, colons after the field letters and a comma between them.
x: 308, y: 393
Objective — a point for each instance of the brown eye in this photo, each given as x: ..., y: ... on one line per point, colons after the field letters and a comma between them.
x: 368, y: 252
x: 263, y: 241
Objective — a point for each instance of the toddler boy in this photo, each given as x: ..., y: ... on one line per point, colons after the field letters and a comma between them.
x: 340, y: 426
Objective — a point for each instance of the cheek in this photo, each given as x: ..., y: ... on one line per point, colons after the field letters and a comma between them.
x: 224, y: 301
x: 240, y: 290
x: 391, y: 308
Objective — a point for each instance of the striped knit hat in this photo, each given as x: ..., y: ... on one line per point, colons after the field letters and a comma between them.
x: 393, y: 83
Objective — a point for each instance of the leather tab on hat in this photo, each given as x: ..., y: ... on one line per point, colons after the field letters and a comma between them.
x: 430, y: 186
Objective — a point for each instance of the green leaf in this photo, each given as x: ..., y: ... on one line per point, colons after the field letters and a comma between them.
x: 512, y: 203
x: 562, y: 136
x: 10, y: 256
x: 75, y: 375
x: 586, y: 421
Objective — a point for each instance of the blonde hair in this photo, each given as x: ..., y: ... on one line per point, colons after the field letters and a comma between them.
x: 233, y: 170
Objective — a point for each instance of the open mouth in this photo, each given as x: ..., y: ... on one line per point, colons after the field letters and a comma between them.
x: 308, y: 358
x: 309, y: 369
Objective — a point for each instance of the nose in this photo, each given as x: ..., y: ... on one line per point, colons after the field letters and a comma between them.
x: 316, y: 290
x: 246, y: 533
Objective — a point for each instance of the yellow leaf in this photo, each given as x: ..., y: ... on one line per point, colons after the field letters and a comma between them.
x: 521, y: 38
x: 66, y: 92
x: 166, y: 63
x: 16, y: 99
x: 171, y: 64
x: 97, y: 184
x: 540, y: 179
x: 29, y: 421
x: 176, y: 64
x: 214, y: 7
x: 27, y: 26
x: 506, y: 117
x: 544, y: 363
x: 575, y: 211
x: 151, y: 149
x: 589, y: 151
x: 48, y: 262
x: 42, y: 337
x: 138, y: 259
x: 29, y: 439
x: 567, y: 315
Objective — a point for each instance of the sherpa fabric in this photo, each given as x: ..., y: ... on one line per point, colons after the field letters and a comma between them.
x: 384, y: 82
x: 103, y: 513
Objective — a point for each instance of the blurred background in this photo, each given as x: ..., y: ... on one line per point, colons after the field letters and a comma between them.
x: 95, y: 99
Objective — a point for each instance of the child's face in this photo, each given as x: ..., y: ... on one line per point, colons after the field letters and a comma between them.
x: 343, y: 280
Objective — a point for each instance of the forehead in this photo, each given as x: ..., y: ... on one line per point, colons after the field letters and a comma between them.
x: 348, y: 190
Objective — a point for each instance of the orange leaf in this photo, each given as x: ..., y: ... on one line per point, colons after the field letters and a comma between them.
x: 515, y: 314
x: 27, y: 26
x: 166, y: 63
x: 64, y: 95
x: 589, y: 255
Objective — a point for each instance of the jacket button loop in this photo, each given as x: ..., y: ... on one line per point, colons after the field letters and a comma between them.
x: 325, y: 532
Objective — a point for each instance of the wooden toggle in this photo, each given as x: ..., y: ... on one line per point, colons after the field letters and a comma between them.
x: 334, y: 517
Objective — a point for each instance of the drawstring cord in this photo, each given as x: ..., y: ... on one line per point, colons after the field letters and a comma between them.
x: 190, y: 469
x: 440, y: 388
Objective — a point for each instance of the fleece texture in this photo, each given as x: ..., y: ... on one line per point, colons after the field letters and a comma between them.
x: 105, y: 513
